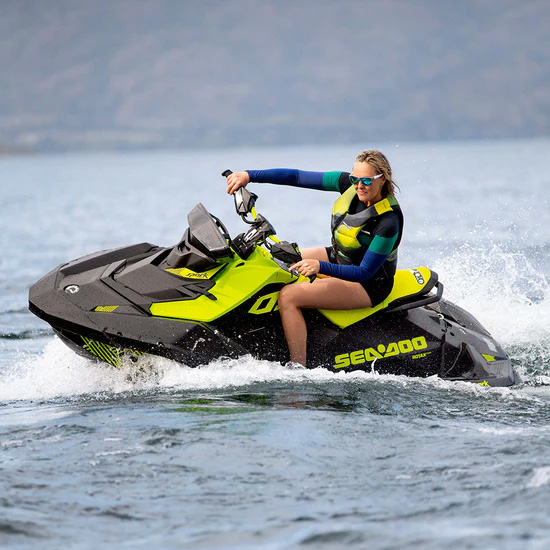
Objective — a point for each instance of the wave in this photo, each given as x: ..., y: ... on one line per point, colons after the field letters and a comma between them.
x: 60, y: 373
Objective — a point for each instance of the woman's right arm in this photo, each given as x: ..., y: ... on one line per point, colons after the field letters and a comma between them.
x: 279, y: 176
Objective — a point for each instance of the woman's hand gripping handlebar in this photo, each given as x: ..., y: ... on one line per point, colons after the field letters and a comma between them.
x: 307, y: 268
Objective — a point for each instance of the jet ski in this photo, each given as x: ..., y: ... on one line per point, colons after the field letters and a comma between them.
x: 212, y: 296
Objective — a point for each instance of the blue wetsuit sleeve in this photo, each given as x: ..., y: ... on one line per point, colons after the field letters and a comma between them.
x: 385, y: 237
x: 292, y: 177
x: 370, y: 264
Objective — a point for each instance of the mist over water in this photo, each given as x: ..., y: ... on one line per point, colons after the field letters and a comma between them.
x: 246, y: 453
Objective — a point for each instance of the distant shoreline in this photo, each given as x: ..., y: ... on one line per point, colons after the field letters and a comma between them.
x: 15, y: 150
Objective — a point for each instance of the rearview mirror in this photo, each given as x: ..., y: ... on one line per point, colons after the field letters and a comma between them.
x: 244, y: 201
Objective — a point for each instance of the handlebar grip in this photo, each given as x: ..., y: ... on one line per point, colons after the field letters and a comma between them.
x: 311, y: 278
x: 226, y: 173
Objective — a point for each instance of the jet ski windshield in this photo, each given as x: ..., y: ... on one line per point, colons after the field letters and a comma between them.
x: 208, y: 233
x: 204, y: 242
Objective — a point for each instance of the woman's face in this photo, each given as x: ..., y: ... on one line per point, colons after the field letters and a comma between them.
x: 368, y: 194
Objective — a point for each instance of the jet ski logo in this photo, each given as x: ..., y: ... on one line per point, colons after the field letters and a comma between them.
x: 72, y: 289
x: 418, y: 276
x: 191, y: 275
x: 382, y: 351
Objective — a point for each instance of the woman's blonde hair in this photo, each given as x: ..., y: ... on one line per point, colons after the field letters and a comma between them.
x: 380, y: 163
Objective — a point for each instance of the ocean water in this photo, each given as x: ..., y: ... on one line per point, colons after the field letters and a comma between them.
x: 250, y: 454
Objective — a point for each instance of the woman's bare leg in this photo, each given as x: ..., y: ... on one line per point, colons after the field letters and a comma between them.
x: 330, y: 293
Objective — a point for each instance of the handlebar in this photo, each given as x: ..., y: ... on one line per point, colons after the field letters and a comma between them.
x: 261, y: 229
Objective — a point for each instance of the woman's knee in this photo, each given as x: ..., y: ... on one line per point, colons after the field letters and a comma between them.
x: 287, y: 297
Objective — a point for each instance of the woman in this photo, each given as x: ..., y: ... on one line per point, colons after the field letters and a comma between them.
x: 367, y: 224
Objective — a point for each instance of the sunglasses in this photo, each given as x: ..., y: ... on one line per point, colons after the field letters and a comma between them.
x: 367, y: 182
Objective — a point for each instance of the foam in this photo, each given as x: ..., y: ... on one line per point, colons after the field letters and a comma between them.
x: 541, y: 476
x: 523, y: 431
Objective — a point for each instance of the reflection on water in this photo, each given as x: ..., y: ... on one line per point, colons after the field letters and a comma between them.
x: 250, y: 402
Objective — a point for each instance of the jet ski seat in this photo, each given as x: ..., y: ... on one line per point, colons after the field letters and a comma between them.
x: 203, y: 243
x: 412, y: 288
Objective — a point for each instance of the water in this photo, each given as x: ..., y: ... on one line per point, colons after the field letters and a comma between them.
x: 250, y: 454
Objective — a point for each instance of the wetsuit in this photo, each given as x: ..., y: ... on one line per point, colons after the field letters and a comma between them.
x: 374, y: 263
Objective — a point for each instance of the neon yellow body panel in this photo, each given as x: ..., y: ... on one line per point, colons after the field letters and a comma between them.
x: 240, y: 281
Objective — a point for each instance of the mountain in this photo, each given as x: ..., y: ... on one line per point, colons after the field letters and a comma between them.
x: 183, y: 73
